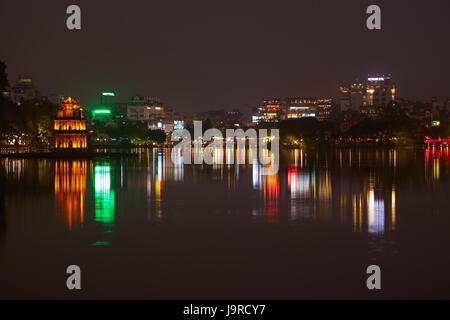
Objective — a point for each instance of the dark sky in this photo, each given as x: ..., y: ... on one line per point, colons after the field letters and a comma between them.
x: 202, y: 55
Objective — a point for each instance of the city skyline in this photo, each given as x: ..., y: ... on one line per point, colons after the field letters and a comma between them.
x: 222, y: 157
x: 195, y: 61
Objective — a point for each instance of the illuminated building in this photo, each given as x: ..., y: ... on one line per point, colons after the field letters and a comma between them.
x: 144, y: 108
x: 101, y: 113
x: 70, y: 126
x: 323, y: 108
x: 301, y: 107
x: 432, y: 114
x: 435, y: 123
x: 274, y: 110
x: 270, y: 111
x: 151, y: 111
x: 70, y: 191
x: 6, y: 93
x: 379, y: 91
x: 107, y: 97
x: 351, y: 97
x: 24, y: 90
x: 435, y: 109
x: 319, y: 108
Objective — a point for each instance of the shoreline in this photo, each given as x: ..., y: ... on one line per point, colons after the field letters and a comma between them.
x: 95, y: 154
x: 65, y: 155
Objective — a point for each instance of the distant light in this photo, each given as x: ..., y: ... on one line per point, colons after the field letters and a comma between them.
x: 436, y: 123
x: 102, y: 111
x: 178, y: 124
x: 377, y: 79
x: 108, y: 94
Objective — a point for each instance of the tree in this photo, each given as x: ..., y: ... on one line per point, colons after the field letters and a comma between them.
x: 158, y: 136
x: 3, y: 77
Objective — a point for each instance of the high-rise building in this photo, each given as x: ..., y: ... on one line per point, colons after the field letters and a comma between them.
x: 276, y: 109
x: 379, y: 91
x: 301, y: 107
x: 24, y: 90
x: 271, y: 110
x: 435, y: 109
x: 447, y: 105
x: 351, y: 97
x: 144, y: 108
x: 323, y: 109
x: 151, y: 111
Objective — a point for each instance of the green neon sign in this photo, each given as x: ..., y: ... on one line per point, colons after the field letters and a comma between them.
x: 108, y: 94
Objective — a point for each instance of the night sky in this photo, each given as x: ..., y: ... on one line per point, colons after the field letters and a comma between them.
x: 203, y: 55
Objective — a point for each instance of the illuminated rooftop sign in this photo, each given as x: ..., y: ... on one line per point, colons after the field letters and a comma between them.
x: 298, y: 108
x: 101, y: 113
x: 378, y: 78
x: 108, y: 94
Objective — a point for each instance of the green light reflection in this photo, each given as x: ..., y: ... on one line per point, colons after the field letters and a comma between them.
x: 104, y: 195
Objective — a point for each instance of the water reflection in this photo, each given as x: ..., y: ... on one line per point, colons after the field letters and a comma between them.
x: 375, y: 211
x: 355, y: 189
x: 159, y: 182
x: 70, y: 191
x: 104, y: 194
x: 433, y: 159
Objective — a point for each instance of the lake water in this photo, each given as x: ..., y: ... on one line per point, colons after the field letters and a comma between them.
x: 145, y: 227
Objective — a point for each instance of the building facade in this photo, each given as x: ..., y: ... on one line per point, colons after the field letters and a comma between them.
x: 24, y: 90
x: 274, y: 110
x: 70, y: 126
x: 271, y: 110
x: 380, y: 91
x: 145, y: 109
x: 351, y: 97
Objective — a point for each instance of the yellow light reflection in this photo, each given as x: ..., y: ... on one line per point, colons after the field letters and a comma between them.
x: 70, y: 191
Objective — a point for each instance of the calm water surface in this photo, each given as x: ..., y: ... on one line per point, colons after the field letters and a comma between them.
x: 145, y: 227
